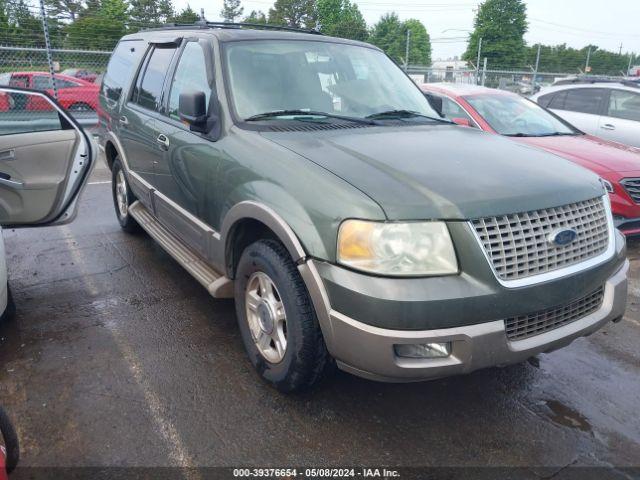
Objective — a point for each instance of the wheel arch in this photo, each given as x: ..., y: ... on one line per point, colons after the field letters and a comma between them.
x: 249, y: 221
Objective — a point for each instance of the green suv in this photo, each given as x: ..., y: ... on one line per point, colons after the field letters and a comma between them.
x: 310, y: 179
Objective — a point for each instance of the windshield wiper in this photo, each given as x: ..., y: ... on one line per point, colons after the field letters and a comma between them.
x: 391, y: 114
x: 307, y: 113
x: 552, y: 134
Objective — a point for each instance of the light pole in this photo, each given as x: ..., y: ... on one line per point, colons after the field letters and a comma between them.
x: 406, y: 56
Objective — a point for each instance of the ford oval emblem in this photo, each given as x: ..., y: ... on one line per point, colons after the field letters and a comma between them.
x: 561, y: 238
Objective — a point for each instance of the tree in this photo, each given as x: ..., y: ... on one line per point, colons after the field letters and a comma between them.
x: 563, y: 59
x: 99, y: 28
x: 419, y: 43
x: 187, y: 15
x: 64, y: 9
x: 388, y: 35
x: 501, y: 24
x: 149, y: 13
x: 293, y: 13
x: 341, y: 18
x: 231, y: 9
x: 256, y: 17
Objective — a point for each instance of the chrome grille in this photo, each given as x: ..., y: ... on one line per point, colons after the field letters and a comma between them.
x: 518, y: 244
x: 525, y: 326
x: 632, y: 186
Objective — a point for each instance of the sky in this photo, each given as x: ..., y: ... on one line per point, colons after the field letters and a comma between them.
x: 606, y: 23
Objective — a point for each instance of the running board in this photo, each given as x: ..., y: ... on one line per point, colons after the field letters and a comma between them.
x: 219, y: 286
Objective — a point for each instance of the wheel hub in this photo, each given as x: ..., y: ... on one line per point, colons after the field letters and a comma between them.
x: 266, y: 317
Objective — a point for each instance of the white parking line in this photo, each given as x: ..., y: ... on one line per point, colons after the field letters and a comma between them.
x: 177, y: 450
x: 99, y: 183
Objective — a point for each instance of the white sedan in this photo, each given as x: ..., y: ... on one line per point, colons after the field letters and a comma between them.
x: 605, y: 109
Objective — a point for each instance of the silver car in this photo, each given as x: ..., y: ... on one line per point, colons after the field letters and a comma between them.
x: 607, y: 110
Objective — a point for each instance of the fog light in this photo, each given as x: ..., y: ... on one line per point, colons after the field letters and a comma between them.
x: 423, y: 350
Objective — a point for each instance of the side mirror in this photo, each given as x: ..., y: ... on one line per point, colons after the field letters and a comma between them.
x: 192, y: 109
x: 435, y: 102
x: 463, y: 122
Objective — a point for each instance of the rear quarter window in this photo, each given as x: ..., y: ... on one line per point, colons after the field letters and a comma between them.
x: 584, y: 100
x: 121, y: 66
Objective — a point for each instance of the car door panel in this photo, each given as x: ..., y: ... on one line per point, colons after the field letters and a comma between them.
x: 620, y: 130
x: 45, y: 159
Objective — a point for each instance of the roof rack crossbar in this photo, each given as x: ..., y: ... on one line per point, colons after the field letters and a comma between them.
x: 234, y: 25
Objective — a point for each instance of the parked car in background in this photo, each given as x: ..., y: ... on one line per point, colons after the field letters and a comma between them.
x: 74, y: 94
x: 605, y: 109
x: 353, y: 225
x: 511, y: 115
x: 80, y: 73
x: 45, y: 160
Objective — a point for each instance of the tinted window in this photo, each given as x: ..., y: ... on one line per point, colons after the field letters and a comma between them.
x: 191, y: 74
x: 557, y: 100
x: 584, y: 100
x: 624, y: 104
x: 545, y: 100
x: 149, y: 92
x: 120, y: 69
x: 42, y: 82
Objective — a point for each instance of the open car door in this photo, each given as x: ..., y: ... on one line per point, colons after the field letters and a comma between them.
x: 45, y: 160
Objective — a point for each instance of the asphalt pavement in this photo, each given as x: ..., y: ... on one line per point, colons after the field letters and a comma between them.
x: 118, y: 357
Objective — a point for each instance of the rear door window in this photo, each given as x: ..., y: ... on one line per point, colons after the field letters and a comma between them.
x: 43, y: 82
x: 625, y: 105
x: 148, y: 90
x: 191, y: 75
x: 125, y: 58
x: 584, y: 100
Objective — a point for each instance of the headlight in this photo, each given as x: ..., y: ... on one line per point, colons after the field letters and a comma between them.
x: 608, y: 186
x: 397, y: 249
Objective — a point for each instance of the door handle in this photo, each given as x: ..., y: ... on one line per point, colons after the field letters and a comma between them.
x: 8, y: 155
x: 11, y: 183
x: 608, y: 126
x: 163, y: 141
x: 123, y: 120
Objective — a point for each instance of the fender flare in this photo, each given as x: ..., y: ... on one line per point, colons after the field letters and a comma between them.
x: 267, y: 216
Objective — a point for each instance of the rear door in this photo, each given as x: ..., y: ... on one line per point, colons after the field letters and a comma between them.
x: 138, y: 130
x: 45, y: 160
x: 622, y: 120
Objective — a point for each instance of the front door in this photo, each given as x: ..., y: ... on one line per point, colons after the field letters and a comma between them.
x: 45, y: 160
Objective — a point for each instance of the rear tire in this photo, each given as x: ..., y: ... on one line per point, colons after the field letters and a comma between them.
x: 123, y: 197
x: 267, y: 278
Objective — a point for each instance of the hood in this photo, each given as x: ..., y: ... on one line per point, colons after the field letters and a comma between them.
x: 594, y: 153
x: 443, y: 171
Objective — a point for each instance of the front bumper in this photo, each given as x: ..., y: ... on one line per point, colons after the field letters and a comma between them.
x: 368, y: 351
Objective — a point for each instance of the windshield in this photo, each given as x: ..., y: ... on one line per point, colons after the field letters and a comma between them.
x: 514, y: 115
x: 335, y: 78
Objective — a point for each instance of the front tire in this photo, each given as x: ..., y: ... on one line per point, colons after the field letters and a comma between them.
x: 123, y: 197
x: 277, y: 320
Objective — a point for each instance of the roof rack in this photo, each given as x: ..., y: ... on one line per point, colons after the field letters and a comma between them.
x: 589, y: 79
x: 237, y: 26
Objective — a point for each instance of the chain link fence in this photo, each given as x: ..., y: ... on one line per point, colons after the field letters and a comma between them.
x: 524, y: 82
x: 77, y: 77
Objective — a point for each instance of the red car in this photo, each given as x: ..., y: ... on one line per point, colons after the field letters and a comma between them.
x: 509, y: 114
x: 74, y: 94
x: 80, y: 73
